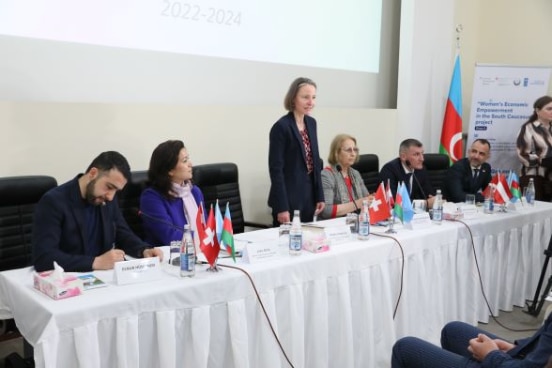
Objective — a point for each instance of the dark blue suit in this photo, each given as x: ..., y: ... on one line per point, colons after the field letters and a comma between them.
x: 458, y: 181
x: 59, y: 232
x: 292, y: 188
x: 394, y: 171
x: 531, y: 352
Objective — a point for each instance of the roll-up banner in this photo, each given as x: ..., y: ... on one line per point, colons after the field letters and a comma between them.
x: 502, y: 100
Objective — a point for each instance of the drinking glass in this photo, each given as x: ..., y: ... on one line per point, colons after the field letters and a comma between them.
x: 352, y: 221
x: 470, y: 198
x: 283, y: 234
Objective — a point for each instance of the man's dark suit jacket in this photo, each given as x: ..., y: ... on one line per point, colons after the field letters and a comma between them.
x: 458, y: 181
x: 394, y: 171
x: 59, y: 232
x: 288, y: 170
x: 533, y: 351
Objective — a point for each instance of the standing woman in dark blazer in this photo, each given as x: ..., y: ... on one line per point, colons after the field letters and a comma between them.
x: 293, y: 158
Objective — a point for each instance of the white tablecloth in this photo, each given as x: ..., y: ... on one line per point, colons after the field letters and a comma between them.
x: 332, y: 309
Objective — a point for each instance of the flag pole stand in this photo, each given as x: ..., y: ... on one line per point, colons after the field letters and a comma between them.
x: 214, y: 267
x: 535, y: 307
x: 391, y: 230
x: 502, y: 208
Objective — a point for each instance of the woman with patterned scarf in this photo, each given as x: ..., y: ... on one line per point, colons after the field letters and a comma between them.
x: 171, y: 201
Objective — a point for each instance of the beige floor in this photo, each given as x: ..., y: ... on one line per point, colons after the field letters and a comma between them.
x: 515, y: 320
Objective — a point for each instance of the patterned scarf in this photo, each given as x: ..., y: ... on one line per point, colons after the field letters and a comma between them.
x: 188, y: 201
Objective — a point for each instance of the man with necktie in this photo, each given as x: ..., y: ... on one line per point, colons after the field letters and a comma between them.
x: 470, y: 175
x: 409, y: 168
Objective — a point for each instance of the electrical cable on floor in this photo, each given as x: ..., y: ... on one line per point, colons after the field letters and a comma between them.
x: 483, y: 289
x: 262, y: 307
x: 402, y: 269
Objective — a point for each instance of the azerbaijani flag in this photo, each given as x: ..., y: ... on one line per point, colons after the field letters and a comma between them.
x: 397, y: 208
x: 451, y: 135
x: 403, y: 206
x: 227, y: 236
x: 513, y: 183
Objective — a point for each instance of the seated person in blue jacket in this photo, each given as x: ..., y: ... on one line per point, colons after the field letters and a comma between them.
x: 470, y: 175
x: 172, y: 200
x: 409, y: 168
x: 344, y: 189
x: 79, y: 225
x: 466, y: 346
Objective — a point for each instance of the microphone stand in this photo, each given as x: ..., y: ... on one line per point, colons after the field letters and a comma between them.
x: 391, y: 220
x: 535, y: 307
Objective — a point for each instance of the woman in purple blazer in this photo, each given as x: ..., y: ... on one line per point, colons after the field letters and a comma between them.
x: 293, y: 158
x: 172, y: 200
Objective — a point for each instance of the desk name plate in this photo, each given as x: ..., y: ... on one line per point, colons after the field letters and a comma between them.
x: 136, y: 271
x: 260, y: 252
x: 419, y: 221
x: 338, y: 234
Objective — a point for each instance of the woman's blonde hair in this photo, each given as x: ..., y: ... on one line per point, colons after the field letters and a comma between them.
x: 335, y: 147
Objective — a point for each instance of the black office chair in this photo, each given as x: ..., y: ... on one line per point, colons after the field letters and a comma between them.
x: 368, y: 166
x: 436, y: 165
x: 220, y: 181
x: 18, y: 198
x: 129, y: 201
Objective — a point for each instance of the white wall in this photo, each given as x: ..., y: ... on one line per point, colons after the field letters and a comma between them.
x: 502, y: 32
x: 425, y: 69
x: 60, y: 139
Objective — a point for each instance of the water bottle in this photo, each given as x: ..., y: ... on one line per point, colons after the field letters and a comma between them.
x: 187, y: 254
x: 364, y: 222
x: 174, y: 253
x: 295, y: 235
x: 530, y: 192
x: 438, y: 208
x: 488, y: 204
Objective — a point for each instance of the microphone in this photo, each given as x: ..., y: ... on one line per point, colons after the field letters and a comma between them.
x: 141, y: 213
x: 339, y: 169
x: 407, y: 162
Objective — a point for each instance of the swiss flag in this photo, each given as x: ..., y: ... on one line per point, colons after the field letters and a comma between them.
x: 492, y: 184
x: 208, y: 242
x: 379, y: 208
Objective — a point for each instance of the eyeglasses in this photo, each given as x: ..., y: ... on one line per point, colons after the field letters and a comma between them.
x: 350, y: 150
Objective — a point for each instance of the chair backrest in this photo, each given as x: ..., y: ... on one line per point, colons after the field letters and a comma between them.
x: 129, y: 201
x: 368, y: 166
x: 220, y: 181
x: 436, y: 165
x: 18, y: 198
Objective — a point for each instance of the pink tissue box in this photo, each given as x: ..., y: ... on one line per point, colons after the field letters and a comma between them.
x: 58, y: 289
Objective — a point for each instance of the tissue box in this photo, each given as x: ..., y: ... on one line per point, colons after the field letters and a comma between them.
x: 67, y: 287
x: 315, y: 243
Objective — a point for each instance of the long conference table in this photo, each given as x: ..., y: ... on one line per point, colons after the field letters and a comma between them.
x: 332, y: 309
